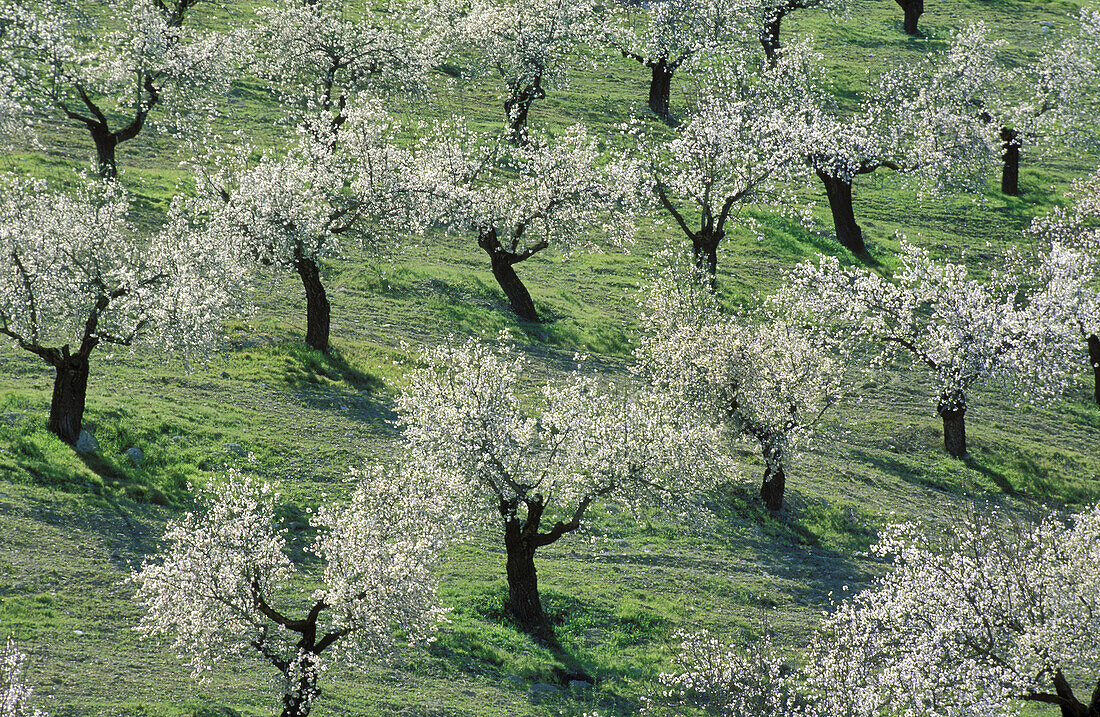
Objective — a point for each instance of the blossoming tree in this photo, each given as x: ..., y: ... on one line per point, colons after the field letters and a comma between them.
x: 1068, y: 266
x: 290, y: 211
x: 223, y: 584
x: 964, y: 331
x: 663, y: 36
x: 106, y: 72
x: 521, y: 200
x: 740, y: 146
x: 978, y: 623
x: 765, y: 381
x: 530, y: 45
x: 917, y: 120
x: 74, y: 274
x: 535, y: 470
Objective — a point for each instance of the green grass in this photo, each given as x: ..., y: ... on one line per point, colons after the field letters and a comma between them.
x: 72, y: 527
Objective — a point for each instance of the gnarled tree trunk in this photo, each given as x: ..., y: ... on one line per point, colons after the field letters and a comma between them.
x: 1094, y: 359
x: 518, y: 297
x: 660, y: 89
x: 517, y: 107
x: 953, y: 413
x: 70, y: 389
x: 318, y: 310
x: 299, y: 703
x: 769, y: 32
x: 913, y: 10
x: 773, y: 487
x: 105, y: 144
x: 839, y: 193
x: 1010, y: 170
x: 524, y: 604
x: 704, y: 247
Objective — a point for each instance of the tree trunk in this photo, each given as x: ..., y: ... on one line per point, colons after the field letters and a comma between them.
x: 518, y: 296
x: 839, y: 193
x: 105, y: 144
x: 913, y: 10
x: 769, y: 33
x: 1010, y: 171
x: 524, y: 604
x: 705, y: 249
x: 953, y: 414
x: 301, y: 701
x: 660, y: 88
x: 317, y: 307
x: 516, y: 111
x: 70, y: 388
x: 1094, y: 359
x: 773, y: 487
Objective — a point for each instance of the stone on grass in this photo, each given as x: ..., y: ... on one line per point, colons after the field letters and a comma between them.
x: 11, y: 418
x: 136, y: 456
x: 86, y: 443
x: 236, y: 449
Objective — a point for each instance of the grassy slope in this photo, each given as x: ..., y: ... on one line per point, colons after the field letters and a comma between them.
x: 71, y: 527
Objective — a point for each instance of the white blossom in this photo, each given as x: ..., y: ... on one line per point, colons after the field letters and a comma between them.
x: 224, y: 585
x: 14, y: 694
x: 991, y: 616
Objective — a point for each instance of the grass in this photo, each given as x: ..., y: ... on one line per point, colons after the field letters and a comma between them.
x: 72, y: 527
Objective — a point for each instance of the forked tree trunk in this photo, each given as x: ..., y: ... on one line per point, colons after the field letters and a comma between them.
x: 913, y: 10
x: 70, y: 389
x: 105, y: 144
x: 502, y: 262
x: 300, y: 703
x: 769, y: 33
x: 524, y: 604
x: 953, y: 414
x: 1094, y: 359
x: 660, y: 89
x: 839, y: 193
x: 1010, y: 170
x: 704, y: 247
x: 318, y: 310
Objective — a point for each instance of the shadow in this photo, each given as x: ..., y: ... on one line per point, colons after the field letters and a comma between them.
x: 997, y: 477
x: 867, y: 259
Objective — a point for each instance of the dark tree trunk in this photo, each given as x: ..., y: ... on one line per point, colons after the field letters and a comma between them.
x: 524, y: 604
x: 839, y: 192
x: 518, y: 296
x: 70, y: 388
x: 913, y: 10
x: 1094, y: 359
x: 1010, y: 171
x: 300, y: 703
x: 317, y: 307
x: 953, y: 414
x: 518, y: 106
x: 769, y: 33
x: 660, y: 89
x: 773, y: 487
x: 705, y: 249
x: 105, y: 144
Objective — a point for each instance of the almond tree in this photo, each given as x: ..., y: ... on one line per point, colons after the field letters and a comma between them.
x: 772, y: 13
x: 106, y: 71
x: 918, y: 121
x: 340, y: 178
x: 533, y: 465
x: 662, y: 36
x: 764, y: 381
x: 551, y: 193
x: 74, y: 274
x: 979, y: 621
x: 530, y: 45
x: 1068, y: 267
x: 1045, y: 100
x: 739, y: 147
x: 963, y: 331
x: 224, y: 585
x: 14, y: 695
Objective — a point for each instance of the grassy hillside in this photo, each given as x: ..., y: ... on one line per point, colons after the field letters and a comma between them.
x: 72, y: 526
